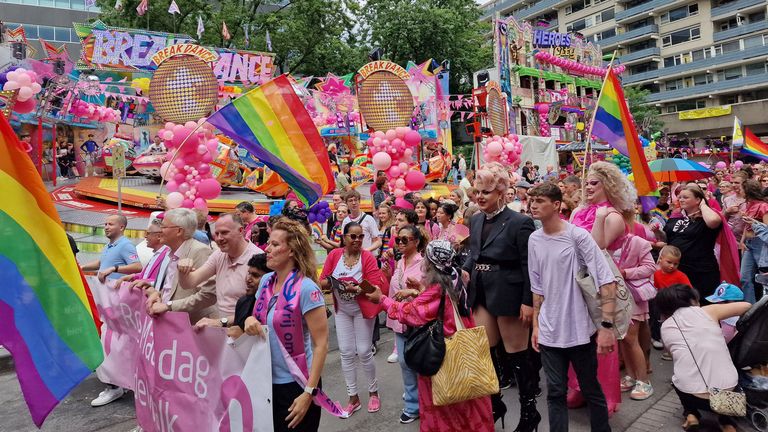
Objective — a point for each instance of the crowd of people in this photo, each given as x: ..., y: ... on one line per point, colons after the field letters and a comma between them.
x: 508, y: 251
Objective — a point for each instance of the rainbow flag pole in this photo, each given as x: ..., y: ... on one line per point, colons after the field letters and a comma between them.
x: 46, y: 318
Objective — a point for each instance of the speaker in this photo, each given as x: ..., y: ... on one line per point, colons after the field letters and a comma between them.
x: 19, y: 50
x: 483, y: 78
x: 376, y: 54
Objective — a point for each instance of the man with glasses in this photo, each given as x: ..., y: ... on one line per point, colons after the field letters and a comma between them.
x: 155, y: 270
x: 199, y: 300
x: 119, y: 258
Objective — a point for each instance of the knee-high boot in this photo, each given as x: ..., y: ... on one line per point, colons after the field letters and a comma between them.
x: 527, y: 377
x: 503, y: 372
x: 498, y: 406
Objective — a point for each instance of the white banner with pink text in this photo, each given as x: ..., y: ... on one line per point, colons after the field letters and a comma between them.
x: 182, y: 379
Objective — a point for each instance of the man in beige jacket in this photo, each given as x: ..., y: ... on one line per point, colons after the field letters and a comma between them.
x: 178, y: 226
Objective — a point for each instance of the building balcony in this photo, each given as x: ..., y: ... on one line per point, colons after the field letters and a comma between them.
x: 642, y: 10
x: 752, y: 113
x: 539, y: 8
x: 733, y: 8
x: 714, y: 88
x: 635, y: 35
x: 740, y: 31
x: 723, y: 60
x: 640, y: 56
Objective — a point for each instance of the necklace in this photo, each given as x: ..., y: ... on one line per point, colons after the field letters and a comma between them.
x: 350, y: 261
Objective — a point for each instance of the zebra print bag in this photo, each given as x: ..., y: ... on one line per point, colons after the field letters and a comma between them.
x: 467, y: 370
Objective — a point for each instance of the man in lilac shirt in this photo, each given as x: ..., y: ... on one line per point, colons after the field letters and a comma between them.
x: 562, y: 329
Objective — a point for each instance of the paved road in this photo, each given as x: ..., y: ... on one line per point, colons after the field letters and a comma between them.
x: 660, y: 413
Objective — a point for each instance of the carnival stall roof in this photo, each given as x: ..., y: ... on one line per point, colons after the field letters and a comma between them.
x: 578, y: 146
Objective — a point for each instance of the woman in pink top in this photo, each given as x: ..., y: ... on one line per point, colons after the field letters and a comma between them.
x: 757, y: 211
x: 474, y: 415
x: 405, y: 281
x: 608, y: 195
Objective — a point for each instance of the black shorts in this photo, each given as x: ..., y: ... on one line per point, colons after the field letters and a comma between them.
x: 282, y: 398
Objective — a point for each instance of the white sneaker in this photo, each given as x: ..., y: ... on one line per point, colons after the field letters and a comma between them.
x: 657, y: 344
x: 107, y: 396
x: 642, y: 391
x: 392, y: 358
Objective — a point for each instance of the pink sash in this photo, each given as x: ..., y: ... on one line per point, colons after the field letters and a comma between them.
x: 288, y: 326
x: 150, y: 274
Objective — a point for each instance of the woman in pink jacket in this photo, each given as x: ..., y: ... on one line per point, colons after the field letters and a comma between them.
x: 440, y: 277
x: 344, y: 270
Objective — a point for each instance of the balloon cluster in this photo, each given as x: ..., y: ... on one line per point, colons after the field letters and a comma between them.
x: 94, y: 112
x: 25, y: 81
x: 574, y: 66
x: 189, y: 177
x: 720, y: 165
x: 621, y: 161
x: 544, y: 129
x: 319, y: 212
x: 505, y: 150
x: 392, y: 151
x: 337, y: 119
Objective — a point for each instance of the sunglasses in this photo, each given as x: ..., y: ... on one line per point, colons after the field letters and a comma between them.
x: 403, y: 240
x: 355, y: 237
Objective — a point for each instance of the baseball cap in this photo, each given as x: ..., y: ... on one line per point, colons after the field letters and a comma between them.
x: 523, y: 184
x: 726, y: 292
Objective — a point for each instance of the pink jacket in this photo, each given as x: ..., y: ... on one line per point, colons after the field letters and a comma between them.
x: 638, y: 266
x: 371, y: 273
x: 423, y: 309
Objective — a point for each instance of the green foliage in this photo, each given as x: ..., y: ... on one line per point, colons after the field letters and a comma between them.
x: 646, y: 115
x: 441, y: 29
x: 314, y: 37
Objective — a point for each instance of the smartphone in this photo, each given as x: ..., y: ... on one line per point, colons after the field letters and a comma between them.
x: 366, y: 286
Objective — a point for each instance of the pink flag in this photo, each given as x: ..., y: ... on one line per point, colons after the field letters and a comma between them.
x: 142, y: 7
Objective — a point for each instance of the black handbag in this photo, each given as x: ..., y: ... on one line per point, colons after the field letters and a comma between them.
x: 425, y: 345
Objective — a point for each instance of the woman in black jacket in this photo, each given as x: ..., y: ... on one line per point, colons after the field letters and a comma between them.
x: 500, y: 290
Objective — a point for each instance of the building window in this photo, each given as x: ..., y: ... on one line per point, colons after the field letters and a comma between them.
x: 702, y: 79
x: 579, y: 25
x: 755, y: 69
x: 729, y: 74
x: 674, y: 84
x: 672, y: 109
x: 680, y: 13
x: 754, y: 41
x: 681, y: 36
x: 604, y: 35
x: 678, y: 59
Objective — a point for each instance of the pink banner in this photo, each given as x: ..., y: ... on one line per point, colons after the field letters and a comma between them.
x: 183, y: 379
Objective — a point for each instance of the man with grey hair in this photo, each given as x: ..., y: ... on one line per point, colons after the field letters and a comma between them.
x: 197, y: 300
x: 229, y: 266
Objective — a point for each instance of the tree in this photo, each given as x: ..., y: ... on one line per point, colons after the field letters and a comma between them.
x: 309, y: 37
x: 646, y: 115
x: 440, y: 29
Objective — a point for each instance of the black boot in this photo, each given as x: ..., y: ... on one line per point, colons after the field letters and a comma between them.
x: 528, y: 386
x: 499, y: 408
x: 503, y: 372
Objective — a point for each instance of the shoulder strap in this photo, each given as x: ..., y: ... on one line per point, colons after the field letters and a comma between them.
x: 579, y: 260
x: 690, y: 351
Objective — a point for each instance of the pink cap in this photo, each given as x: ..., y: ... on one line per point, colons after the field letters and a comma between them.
x: 403, y: 203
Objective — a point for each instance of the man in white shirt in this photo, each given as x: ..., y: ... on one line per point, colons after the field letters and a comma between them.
x: 372, y: 239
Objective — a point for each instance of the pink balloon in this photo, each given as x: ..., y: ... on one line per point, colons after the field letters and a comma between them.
x: 184, y: 187
x: 408, y: 153
x: 399, y: 184
x: 415, y: 180
x: 164, y: 170
x: 403, y: 167
x: 494, y: 148
x: 412, y: 138
x: 204, y: 169
x: 394, y: 171
x: 200, y: 204
x: 178, y: 177
x: 172, y: 186
x: 738, y: 164
x: 379, y: 134
x: 179, y: 163
x: 187, y: 203
x: 381, y: 161
x: 190, y: 125
x: 391, y: 134
x: 174, y: 200
x: 209, y: 188
x: 720, y: 165
x: 399, y: 193
x: 24, y: 107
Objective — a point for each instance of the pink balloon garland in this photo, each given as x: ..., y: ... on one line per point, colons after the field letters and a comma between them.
x: 93, y: 112
x: 189, y: 178
x: 574, y: 66
x: 392, y: 152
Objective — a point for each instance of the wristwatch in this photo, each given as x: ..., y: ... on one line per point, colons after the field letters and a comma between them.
x: 224, y: 322
x: 169, y: 303
x: 116, y: 267
x: 311, y: 390
x: 606, y: 324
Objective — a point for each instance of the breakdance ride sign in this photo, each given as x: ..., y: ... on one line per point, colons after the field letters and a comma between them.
x: 182, y: 379
x: 132, y: 50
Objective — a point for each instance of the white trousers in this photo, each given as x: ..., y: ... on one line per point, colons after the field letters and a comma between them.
x: 354, y: 334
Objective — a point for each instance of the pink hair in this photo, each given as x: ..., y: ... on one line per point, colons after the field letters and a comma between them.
x: 492, y: 176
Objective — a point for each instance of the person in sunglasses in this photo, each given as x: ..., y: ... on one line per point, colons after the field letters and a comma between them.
x: 410, y: 242
x: 344, y: 270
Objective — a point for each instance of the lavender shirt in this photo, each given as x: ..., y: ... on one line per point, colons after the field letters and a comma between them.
x: 552, y: 265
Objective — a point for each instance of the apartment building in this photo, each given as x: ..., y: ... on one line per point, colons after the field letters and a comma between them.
x: 695, y: 56
x: 48, y: 19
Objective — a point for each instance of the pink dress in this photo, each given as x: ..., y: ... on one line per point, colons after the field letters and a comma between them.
x: 474, y: 415
x: 607, y: 364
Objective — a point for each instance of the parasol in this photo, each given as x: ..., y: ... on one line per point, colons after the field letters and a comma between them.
x: 678, y: 170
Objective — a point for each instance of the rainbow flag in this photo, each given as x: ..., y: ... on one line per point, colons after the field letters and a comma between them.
x: 614, y: 125
x: 271, y: 122
x: 46, y: 318
x: 753, y: 146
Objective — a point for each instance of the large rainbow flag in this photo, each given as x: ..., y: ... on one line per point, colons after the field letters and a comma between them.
x: 613, y: 124
x: 46, y: 318
x: 753, y: 146
x: 271, y: 122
